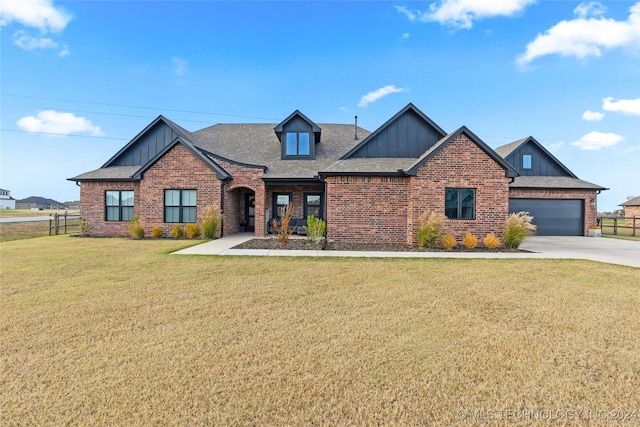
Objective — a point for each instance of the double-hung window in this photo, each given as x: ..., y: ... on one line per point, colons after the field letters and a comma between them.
x: 460, y: 203
x: 297, y: 144
x: 118, y: 205
x: 180, y: 206
x: 313, y: 205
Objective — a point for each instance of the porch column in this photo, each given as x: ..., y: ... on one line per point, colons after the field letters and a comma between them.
x: 260, y: 194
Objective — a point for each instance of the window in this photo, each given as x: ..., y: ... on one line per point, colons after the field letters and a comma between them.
x: 180, y: 206
x: 526, y: 161
x: 460, y: 203
x: 297, y: 144
x: 313, y: 205
x: 118, y: 205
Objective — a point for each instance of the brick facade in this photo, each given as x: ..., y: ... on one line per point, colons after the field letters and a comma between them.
x: 179, y: 168
x: 386, y: 209
x: 371, y: 209
x: 460, y: 164
x: 589, y: 198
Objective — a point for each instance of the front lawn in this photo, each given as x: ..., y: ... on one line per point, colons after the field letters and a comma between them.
x: 119, y: 332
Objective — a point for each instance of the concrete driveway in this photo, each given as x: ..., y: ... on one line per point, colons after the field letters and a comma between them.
x: 614, y: 251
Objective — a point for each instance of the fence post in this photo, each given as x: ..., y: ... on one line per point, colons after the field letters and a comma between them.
x: 65, y: 222
x: 634, y: 226
x: 615, y: 226
x: 57, y: 219
x: 50, y: 225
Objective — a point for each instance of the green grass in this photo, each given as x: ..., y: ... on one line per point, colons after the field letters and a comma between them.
x: 28, y: 230
x: 10, y: 213
x: 118, y: 332
x: 623, y: 232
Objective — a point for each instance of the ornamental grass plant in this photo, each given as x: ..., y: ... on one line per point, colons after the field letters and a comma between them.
x: 516, y: 228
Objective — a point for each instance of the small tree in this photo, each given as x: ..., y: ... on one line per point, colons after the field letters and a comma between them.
x: 516, y: 228
x: 431, y: 229
x: 316, y: 228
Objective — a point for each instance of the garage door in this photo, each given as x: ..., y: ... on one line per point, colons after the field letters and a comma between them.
x: 553, y: 217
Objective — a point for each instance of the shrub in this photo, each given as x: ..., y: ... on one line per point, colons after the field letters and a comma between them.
x: 316, y: 228
x: 84, y: 227
x: 470, y: 241
x: 135, y: 227
x: 176, y: 232
x: 516, y: 228
x: 282, y: 227
x: 192, y: 231
x: 430, y: 230
x: 156, y: 232
x: 491, y: 241
x: 448, y: 242
x: 211, y: 221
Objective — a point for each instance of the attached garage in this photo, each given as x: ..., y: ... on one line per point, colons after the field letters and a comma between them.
x: 554, y: 217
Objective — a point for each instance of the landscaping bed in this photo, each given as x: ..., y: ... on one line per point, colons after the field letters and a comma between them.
x: 304, y: 244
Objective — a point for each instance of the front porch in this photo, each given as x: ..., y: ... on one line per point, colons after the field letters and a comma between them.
x: 252, y: 210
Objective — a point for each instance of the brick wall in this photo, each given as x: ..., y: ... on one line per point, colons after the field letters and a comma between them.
x: 367, y: 209
x: 588, y: 196
x: 92, y: 207
x: 460, y: 164
x: 177, y: 169
x: 631, y: 212
x: 244, y: 178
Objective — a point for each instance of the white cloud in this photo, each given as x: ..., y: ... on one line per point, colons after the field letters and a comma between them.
x: 379, y: 93
x: 462, y: 13
x: 592, y: 116
x: 179, y: 66
x: 406, y: 35
x: 597, y: 140
x: 40, y: 14
x: 585, y: 36
x: 26, y: 42
x: 592, y: 8
x: 629, y: 107
x: 57, y: 122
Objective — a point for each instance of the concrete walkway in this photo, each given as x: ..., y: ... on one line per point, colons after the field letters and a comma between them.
x: 613, y: 251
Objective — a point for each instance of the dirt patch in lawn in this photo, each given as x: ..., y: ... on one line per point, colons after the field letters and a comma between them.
x: 304, y: 244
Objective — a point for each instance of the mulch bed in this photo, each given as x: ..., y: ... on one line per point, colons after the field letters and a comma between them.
x: 303, y: 244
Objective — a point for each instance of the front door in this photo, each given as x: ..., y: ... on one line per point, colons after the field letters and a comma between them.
x: 250, y: 211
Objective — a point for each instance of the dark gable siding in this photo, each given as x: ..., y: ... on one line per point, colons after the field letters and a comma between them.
x: 541, y: 163
x: 407, y: 136
x: 149, y: 144
x: 297, y: 124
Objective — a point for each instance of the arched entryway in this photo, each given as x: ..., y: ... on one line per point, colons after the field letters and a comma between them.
x: 243, y: 211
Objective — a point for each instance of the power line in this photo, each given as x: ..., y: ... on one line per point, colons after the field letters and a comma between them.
x: 64, y: 134
x: 139, y: 107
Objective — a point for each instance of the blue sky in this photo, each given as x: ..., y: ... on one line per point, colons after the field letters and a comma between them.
x: 81, y: 78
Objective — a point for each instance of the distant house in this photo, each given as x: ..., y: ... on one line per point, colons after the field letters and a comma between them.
x: 37, y: 202
x: 631, y: 210
x: 6, y: 201
x: 368, y: 186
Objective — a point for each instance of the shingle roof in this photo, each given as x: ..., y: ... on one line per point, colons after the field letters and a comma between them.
x: 560, y: 182
x: 631, y: 202
x: 108, y: 173
x: 359, y: 165
x: 257, y: 144
x: 504, y: 150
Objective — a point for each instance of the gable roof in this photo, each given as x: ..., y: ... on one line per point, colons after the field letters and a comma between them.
x: 509, y: 170
x: 631, y: 202
x: 371, y: 137
x: 506, y: 150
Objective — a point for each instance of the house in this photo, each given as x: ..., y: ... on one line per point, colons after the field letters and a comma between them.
x: 368, y: 186
x: 6, y: 201
x: 37, y: 202
x: 631, y: 210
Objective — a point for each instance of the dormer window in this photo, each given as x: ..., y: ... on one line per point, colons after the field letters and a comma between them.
x: 297, y: 144
x: 298, y: 137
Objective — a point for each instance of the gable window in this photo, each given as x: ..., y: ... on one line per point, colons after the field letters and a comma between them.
x: 118, y: 205
x: 180, y: 206
x: 313, y: 205
x: 526, y: 161
x: 460, y: 203
x: 297, y: 144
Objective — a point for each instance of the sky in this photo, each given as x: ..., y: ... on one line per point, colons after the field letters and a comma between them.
x: 79, y: 79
